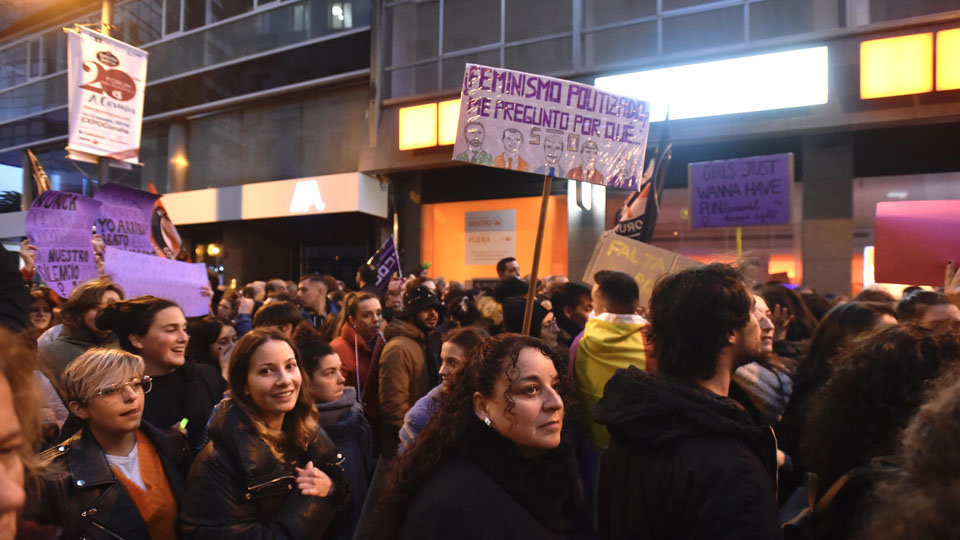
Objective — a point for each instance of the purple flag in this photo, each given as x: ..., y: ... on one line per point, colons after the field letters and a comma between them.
x: 124, y: 219
x: 387, y: 262
x: 60, y: 225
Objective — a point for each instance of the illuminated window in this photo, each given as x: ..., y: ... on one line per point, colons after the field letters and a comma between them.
x: 896, y: 66
x: 948, y: 59
x: 449, y: 116
x: 418, y: 126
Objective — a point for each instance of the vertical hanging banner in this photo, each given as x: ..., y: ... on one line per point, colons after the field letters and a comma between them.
x: 105, y: 80
x: 125, y: 218
x: 60, y: 225
x: 743, y: 191
x: 532, y: 123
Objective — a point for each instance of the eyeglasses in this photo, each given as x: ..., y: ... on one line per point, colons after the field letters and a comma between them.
x: 113, y: 394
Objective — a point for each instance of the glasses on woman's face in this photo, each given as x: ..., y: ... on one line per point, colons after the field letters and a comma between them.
x: 112, y: 395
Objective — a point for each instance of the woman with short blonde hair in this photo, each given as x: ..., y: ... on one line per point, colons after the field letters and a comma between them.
x: 132, y: 470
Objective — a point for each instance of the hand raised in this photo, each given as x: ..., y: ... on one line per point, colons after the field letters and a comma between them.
x: 313, y: 481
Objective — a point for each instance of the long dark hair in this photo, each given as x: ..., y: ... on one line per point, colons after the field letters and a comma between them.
x: 448, y: 428
x: 203, y: 332
x: 300, y: 426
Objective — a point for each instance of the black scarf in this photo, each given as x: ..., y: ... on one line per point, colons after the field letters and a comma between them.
x: 547, y: 486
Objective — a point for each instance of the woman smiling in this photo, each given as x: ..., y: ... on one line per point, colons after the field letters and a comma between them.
x: 268, y: 471
x: 155, y: 329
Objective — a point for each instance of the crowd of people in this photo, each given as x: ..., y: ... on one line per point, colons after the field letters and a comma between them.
x: 313, y: 409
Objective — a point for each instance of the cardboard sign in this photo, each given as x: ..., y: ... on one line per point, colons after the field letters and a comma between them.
x: 490, y: 236
x: 139, y: 274
x: 914, y: 240
x: 532, y: 123
x: 60, y: 224
x: 743, y: 191
x: 124, y: 219
x: 644, y: 262
x: 106, y: 80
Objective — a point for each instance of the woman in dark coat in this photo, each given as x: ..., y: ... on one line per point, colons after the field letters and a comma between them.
x: 118, y: 477
x: 268, y: 471
x: 490, y: 464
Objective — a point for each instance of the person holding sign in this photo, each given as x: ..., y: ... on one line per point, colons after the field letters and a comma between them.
x: 130, y: 471
x: 156, y: 330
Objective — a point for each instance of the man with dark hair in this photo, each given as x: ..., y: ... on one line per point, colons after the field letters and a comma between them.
x: 408, y: 363
x: 508, y: 267
x: 926, y: 308
x: 367, y: 279
x: 572, y: 304
x: 312, y: 298
x: 685, y: 460
x: 282, y: 315
x: 611, y: 340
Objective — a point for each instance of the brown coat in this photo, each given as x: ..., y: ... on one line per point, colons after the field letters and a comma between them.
x: 403, y: 378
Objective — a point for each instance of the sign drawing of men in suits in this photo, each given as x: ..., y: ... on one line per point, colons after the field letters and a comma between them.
x: 510, y: 157
x: 552, y: 152
x: 587, y: 170
x: 473, y: 133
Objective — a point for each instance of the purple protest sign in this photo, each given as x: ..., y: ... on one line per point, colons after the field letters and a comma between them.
x: 124, y: 219
x: 743, y: 191
x: 139, y: 274
x: 387, y: 263
x: 60, y: 225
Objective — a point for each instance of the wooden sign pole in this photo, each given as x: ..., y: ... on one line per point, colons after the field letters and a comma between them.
x: 532, y: 289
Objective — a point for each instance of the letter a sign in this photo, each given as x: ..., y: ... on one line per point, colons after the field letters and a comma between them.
x: 306, y: 194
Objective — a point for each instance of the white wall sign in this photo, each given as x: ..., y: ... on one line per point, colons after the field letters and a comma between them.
x: 490, y: 236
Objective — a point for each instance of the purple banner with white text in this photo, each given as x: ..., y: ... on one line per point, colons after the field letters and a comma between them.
x: 739, y: 192
x: 61, y: 226
x: 387, y: 263
x: 124, y: 219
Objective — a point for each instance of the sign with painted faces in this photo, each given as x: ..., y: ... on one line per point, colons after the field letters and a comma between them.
x: 532, y: 123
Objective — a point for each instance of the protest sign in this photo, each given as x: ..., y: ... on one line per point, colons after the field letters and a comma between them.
x: 106, y: 80
x: 124, y: 219
x: 387, y: 262
x: 490, y: 236
x: 743, y: 191
x: 914, y: 240
x: 139, y: 274
x: 644, y: 262
x: 60, y: 225
x: 532, y: 123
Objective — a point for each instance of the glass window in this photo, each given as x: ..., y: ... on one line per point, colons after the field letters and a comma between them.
x: 173, y: 16
x: 13, y: 65
x: 194, y: 14
x: 453, y: 67
x: 224, y: 9
x: 547, y: 57
x: 468, y: 23
x: 598, y: 12
x: 411, y: 81
x: 412, y: 32
x: 784, y: 17
x: 620, y: 44
x: 54, y: 51
x: 528, y: 18
x: 138, y: 22
x: 341, y: 15
x: 679, y: 4
x: 703, y: 30
x: 889, y: 10
x: 34, y: 46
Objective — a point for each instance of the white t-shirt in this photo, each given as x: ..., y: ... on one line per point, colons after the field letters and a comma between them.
x: 129, y: 466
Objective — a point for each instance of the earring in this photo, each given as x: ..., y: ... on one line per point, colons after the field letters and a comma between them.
x: 487, y: 421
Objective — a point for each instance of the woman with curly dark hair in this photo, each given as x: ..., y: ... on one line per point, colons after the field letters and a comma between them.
x: 876, y: 387
x: 921, y: 501
x: 490, y: 464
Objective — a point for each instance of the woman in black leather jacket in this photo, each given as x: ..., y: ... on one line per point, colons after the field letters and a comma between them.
x: 268, y: 471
